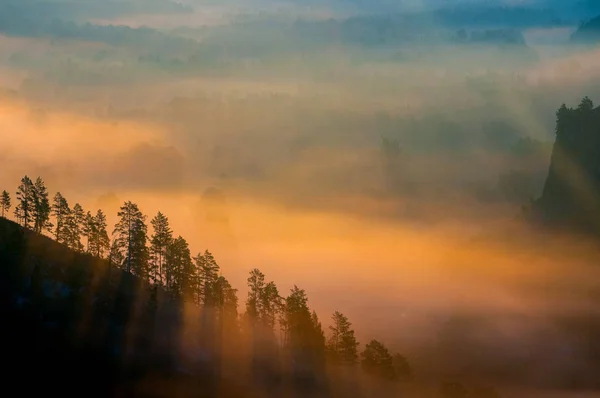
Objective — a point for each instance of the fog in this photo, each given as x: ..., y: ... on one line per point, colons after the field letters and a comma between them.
x: 291, y: 124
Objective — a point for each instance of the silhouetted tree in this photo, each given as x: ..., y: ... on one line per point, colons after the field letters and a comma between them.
x: 270, y: 305
x: 180, y: 268
x: 74, y: 223
x: 60, y: 211
x: 225, y: 298
x: 159, y: 242
x: 25, y: 197
x: 320, y: 343
x: 256, y: 285
x: 5, y: 202
x: 98, y: 242
x: 303, y: 338
x: 342, y: 345
x: 586, y: 104
x: 130, y: 239
x: 87, y: 229
x: 207, y: 272
x: 377, y: 361
x: 263, y: 302
x: 257, y: 317
x: 115, y: 256
x: 41, y: 207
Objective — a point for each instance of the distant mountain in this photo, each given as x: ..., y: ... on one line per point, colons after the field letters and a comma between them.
x: 588, y: 32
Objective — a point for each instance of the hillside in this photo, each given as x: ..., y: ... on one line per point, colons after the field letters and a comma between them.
x: 74, y: 321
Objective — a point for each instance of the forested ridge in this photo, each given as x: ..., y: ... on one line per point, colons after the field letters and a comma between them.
x: 121, y: 300
x: 140, y: 306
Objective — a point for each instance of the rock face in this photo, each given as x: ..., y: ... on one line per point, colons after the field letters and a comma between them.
x: 571, y: 194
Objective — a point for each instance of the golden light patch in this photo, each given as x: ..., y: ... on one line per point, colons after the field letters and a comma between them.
x: 32, y: 133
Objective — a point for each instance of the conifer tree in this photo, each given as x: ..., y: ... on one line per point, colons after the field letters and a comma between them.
x: 160, y: 241
x: 263, y: 302
x: 377, y: 361
x: 41, y: 207
x: 207, y: 273
x: 98, y: 242
x: 319, y: 335
x: 102, y: 243
x: 73, y: 228
x: 298, y: 321
x: 88, y: 230
x: 25, y: 197
x: 130, y: 239
x: 342, y: 344
x: 304, y: 337
x: 79, y: 222
x: 115, y: 257
x: 256, y: 285
x: 270, y: 305
x: 5, y: 203
x: 180, y: 268
x: 225, y: 299
x: 60, y: 211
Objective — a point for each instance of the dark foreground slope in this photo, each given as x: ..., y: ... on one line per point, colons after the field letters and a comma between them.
x: 73, y: 326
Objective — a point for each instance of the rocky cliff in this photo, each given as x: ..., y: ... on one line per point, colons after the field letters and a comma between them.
x: 571, y: 194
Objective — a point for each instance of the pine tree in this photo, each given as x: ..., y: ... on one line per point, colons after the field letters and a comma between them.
x: 98, y: 242
x: 342, y: 344
x: 5, y: 203
x: 207, y: 273
x: 115, y: 257
x: 101, y: 241
x: 41, y: 207
x: 180, y: 268
x: 60, y: 211
x: 377, y: 361
x: 256, y: 285
x: 88, y: 230
x: 264, y: 302
x: 79, y: 220
x: 25, y: 196
x: 130, y: 236
x: 160, y: 241
x: 270, y: 305
x: 74, y: 222
x: 298, y: 321
x: 319, y: 336
x: 304, y: 338
x: 225, y: 299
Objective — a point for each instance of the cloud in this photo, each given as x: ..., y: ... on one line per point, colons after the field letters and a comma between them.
x: 145, y: 167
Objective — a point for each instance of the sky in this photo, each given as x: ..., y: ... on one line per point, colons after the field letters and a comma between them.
x: 294, y: 140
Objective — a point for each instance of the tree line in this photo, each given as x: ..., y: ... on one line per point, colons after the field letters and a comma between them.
x: 165, y: 261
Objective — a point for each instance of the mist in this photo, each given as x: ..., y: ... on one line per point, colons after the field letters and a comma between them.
x: 378, y: 156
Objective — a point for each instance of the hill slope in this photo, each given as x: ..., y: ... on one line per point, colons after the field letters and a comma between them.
x: 71, y: 322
